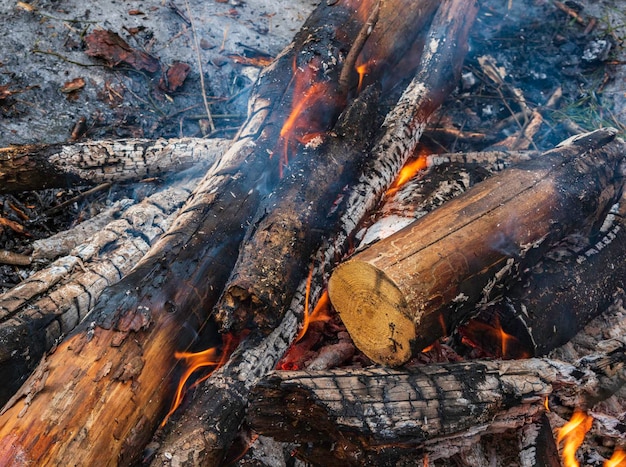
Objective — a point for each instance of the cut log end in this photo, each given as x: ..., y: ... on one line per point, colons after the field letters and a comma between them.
x: 374, y: 311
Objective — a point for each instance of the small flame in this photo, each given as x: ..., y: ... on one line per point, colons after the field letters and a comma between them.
x: 409, y: 170
x: 306, y: 120
x: 480, y: 334
x: 546, y: 404
x: 321, y: 312
x: 572, y: 434
x: 362, y: 70
x: 193, y: 361
x: 618, y: 459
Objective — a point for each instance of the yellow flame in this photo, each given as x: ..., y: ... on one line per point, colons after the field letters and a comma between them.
x: 407, y: 172
x: 618, y: 459
x: 572, y: 434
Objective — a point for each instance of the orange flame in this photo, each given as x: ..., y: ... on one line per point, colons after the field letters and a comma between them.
x: 618, y: 459
x: 479, y: 332
x: 546, y: 404
x: 193, y: 361
x: 362, y: 70
x: 409, y: 170
x: 305, y: 120
x: 572, y: 434
x: 321, y: 312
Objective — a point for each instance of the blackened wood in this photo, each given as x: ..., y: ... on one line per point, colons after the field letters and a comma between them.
x: 215, y: 415
x: 401, y: 294
x: 293, y: 222
x: 116, y: 370
x: 50, y: 303
x: 36, y: 167
x: 537, y: 447
x: 564, y: 292
x: 435, y: 409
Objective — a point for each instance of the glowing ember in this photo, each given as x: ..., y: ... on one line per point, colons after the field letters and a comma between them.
x: 193, y: 361
x: 408, y: 171
x: 572, y: 434
x: 618, y: 459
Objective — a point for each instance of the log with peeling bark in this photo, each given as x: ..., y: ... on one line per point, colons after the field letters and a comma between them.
x: 373, y: 416
x: 116, y: 370
x: 40, y: 166
x: 50, y: 303
x: 216, y: 413
x: 401, y: 294
x: 565, y: 291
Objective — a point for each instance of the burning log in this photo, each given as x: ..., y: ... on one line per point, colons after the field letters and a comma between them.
x: 401, y: 294
x: 293, y: 222
x: 49, y: 304
x: 35, y: 167
x: 217, y: 412
x: 561, y: 295
x: 378, y: 415
x: 115, y: 370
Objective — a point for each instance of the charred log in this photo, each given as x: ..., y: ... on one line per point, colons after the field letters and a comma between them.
x: 401, y: 294
x: 565, y: 291
x: 215, y: 415
x: 48, y: 305
x: 116, y: 369
x: 379, y: 414
x: 35, y: 167
x: 295, y: 221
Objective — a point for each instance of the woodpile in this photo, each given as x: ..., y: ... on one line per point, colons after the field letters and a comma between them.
x: 246, y: 238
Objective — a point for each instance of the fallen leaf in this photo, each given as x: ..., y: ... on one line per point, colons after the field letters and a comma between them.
x: 73, y: 85
x: 174, y: 77
x: 135, y: 12
x: 26, y: 6
x: 110, y: 47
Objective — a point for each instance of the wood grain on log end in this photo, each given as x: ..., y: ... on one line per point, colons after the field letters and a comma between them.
x: 374, y: 311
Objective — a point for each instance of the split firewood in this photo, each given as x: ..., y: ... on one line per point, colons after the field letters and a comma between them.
x: 115, y: 370
x: 216, y: 413
x: 38, y: 312
x: 401, y: 294
x: 378, y: 414
x: 435, y: 180
x: 35, y: 167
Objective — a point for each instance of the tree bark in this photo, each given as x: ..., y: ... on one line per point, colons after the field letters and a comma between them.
x: 403, y: 293
x: 294, y: 221
x: 36, y: 167
x: 220, y: 405
x: 49, y: 304
x: 562, y: 294
x: 380, y: 414
x: 116, y: 369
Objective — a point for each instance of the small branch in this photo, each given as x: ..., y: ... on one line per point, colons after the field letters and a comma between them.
x: 199, y: 60
x: 355, y: 50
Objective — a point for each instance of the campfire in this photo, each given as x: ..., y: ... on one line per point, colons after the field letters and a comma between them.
x: 353, y: 279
